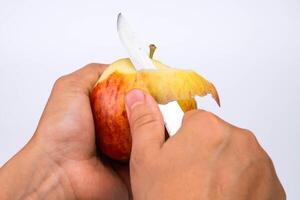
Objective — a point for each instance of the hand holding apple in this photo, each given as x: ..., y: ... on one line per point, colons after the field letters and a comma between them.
x: 61, y: 161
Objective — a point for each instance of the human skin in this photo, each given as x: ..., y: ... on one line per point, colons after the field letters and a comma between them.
x: 207, y: 158
x: 60, y: 161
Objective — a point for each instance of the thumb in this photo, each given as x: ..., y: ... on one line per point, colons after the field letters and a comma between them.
x: 145, y: 120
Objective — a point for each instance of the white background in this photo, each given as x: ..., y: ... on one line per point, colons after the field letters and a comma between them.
x: 249, y: 49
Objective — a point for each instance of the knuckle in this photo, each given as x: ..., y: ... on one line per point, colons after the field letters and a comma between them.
x: 67, y: 79
x: 250, y: 144
x: 190, y: 114
x: 141, y: 119
x: 209, y: 127
x: 200, y: 117
x: 245, y: 142
x: 61, y: 81
x: 209, y: 118
x: 267, y: 159
x: 95, y: 67
x: 68, y: 83
x: 264, y: 163
x: 249, y: 138
x: 91, y: 65
x: 264, y: 158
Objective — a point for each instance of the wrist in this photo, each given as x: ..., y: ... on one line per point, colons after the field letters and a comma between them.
x: 31, y: 174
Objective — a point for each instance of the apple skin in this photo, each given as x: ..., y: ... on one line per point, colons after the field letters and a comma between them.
x: 111, y: 122
x: 113, y: 136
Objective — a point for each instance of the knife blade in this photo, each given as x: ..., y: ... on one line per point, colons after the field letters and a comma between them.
x: 171, y: 112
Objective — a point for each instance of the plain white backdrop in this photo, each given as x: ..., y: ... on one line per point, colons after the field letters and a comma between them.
x: 249, y: 49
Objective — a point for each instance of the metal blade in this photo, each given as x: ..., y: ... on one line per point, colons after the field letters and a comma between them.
x: 171, y: 112
x: 172, y: 115
x: 135, y: 48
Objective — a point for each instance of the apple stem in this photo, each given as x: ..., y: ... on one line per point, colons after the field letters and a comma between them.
x: 152, y: 50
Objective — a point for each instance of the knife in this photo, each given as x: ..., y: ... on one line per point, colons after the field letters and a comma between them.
x: 138, y: 55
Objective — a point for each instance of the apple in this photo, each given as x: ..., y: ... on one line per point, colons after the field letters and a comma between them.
x: 165, y: 84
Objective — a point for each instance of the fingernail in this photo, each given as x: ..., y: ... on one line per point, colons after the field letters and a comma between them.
x: 134, y: 97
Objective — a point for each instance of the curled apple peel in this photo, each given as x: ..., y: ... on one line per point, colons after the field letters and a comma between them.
x: 165, y: 84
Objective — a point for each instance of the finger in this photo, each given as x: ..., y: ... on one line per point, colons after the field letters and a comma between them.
x: 82, y: 80
x: 191, y: 114
x: 200, y: 116
x: 70, y: 94
x: 204, y: 128
x: 145, y: 120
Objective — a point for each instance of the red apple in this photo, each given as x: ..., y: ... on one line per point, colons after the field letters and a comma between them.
x: 165, y: 84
